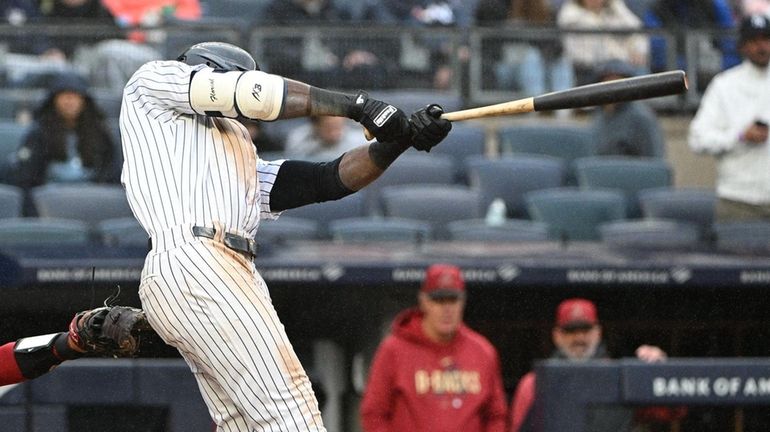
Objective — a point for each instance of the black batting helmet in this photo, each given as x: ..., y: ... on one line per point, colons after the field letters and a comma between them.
x: 219, y: 55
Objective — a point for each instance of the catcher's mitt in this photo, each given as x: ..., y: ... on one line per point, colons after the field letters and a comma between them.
x: 112, y: 331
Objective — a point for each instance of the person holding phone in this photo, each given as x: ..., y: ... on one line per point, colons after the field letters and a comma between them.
x: 732, y: 125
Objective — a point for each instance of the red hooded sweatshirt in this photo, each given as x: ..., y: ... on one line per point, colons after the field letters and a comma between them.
x: 418, y: 385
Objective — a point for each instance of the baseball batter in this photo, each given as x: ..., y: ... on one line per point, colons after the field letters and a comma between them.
x: 196, y: 184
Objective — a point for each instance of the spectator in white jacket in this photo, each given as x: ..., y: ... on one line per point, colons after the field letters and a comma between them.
x: 588, y: 50
x: 732, y: 124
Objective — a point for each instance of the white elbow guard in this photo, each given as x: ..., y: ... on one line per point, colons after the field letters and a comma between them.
x: 253, y: 94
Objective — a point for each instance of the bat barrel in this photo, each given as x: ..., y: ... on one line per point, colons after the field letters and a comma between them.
x: 642, y: 87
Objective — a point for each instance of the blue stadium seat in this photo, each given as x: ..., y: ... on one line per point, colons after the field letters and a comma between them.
x: 378, y: 229
x: 411, y: 168
x: 512, y: 230
x: 510, y: 178
x: 11, y: 136
x: 124, y: 231
x: 692, y: 205
x: 743, y: 237
x: 565, y: 142
x: 655, y: 234
x: 436, y: 204
x: 89, y: 202
x: 575, y: 214
x: 34, y: 231
x: 465, y: 140
x: 325, y: 212
x: 108, y: 102
x: 630, y: 175
x: 287, y: 228
x: 10, y: 201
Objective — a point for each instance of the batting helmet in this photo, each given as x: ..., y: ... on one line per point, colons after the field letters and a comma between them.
x: 219, y: 55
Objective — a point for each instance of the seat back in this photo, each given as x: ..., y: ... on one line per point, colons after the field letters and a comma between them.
x: 325, y: 212
x: 377, y: 229
x: 122, y: 231
x: 512, y: 230
x: 10, y: 201
x: 43, y: 231
x: 436, y: 204
x: 656, y: 234
x: 88, y: 202
x: 465, y: 140
x: 575, y: 214
x: 287, y: 228
x: 694, y: 205
x: 630, y: 175
x: 509, y: 178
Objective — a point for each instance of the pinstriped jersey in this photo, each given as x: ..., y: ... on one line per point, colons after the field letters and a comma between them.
x: 184, y: 168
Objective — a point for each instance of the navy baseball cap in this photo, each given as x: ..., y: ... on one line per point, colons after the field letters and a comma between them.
x: 753, y: 26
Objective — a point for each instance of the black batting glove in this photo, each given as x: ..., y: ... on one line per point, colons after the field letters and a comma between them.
x: 384, y: 121
x: 428, y: 128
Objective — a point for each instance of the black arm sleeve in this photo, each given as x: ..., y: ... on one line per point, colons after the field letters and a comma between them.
x: 299, y: 183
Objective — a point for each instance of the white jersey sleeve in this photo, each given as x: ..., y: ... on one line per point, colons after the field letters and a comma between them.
x: 266, y: 172
x: 161, y: 88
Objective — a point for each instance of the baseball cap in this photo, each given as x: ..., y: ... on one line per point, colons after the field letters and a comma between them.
x: 754, y: 26
x: 576, y: 313
x: 443, y: 281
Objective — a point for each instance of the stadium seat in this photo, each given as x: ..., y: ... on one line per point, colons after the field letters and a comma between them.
x: 743, y: 237
x: 124, y: 231
x: 377, y: 229
x: 411, y: 168
x: 575, y: 214
x: 565, y: 142
x: 465, y: 140
x: 108, y: 102
x: 411, y: 100
x: 325, y: 212
x: 34, y: 231
x: 630, y: 175
x: 692, y: 205
x: 287, y: 228
x: 512, y: 230
x: 88, y: 202
x: 436, y: 204
x: 510, y: 178
x: 654, y: 234
x: 10, y: 201
x: 11, y: 136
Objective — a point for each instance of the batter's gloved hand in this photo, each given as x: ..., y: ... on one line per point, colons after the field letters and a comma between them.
x: 384, y: 121
x: 110, y: 331
x: 428, y: 128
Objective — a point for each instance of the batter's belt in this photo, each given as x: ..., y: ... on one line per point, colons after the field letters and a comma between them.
x: 244, y: 245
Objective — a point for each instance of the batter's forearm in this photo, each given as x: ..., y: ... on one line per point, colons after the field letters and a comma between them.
x: 357, y: 169
x: 304, y: 100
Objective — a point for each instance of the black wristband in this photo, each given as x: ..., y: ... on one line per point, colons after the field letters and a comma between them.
x: 62, y: 350
x: 384, y: 153
x: 332, y: 103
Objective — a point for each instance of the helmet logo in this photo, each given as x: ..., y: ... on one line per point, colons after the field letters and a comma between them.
x: 256, y: 92
x: 212, y: 92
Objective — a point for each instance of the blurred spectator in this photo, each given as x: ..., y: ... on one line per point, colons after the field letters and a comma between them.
x: 324, y: 137
x: 680, y: 16
x: 322, y: 61
x: 260, y: 137
x: 70, y: 11
x: 152, y: 13
x: 626, y: 128
x: 530, y: 67
x: 432, y: 373
x: 754, y: 7
x: 590, y: 50
x: 68, y: 142
x: 732, y: 125
x: 17, y: 13
x: 577, y: 337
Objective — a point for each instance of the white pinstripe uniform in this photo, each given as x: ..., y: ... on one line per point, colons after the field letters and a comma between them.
x: 181, y: 170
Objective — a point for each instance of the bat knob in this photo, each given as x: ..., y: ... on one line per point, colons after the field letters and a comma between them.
x: 434, y: 110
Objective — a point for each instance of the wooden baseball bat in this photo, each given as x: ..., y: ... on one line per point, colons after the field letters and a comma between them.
x: 622, y: 90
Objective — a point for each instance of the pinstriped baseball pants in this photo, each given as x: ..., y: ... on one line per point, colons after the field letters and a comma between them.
x: 211, y: 304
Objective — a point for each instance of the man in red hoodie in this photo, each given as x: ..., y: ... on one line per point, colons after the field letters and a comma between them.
x: 432, y: 373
